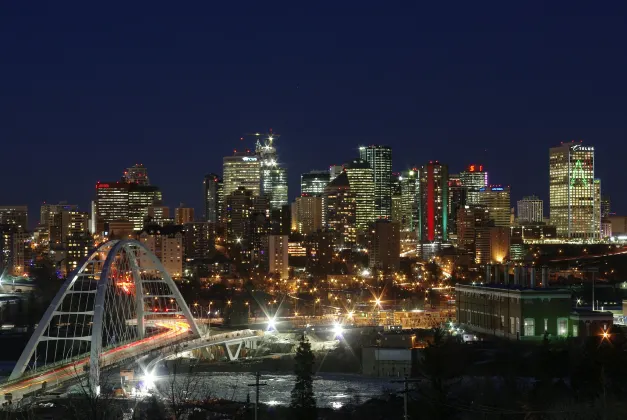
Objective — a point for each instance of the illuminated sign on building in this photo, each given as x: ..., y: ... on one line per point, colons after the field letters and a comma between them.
x: 249, y: 159
x: 579, y: 148
x: 475, y: 168
x: 102, y: 185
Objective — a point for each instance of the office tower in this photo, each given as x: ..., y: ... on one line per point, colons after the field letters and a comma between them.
x: 14, y: 215
x: 361, y: 181
x: 239, y: 208
x: 312, y: 183
x: 48, y: 210
x: 530, y: 210
x: 136, y: 174
x: 308, y: 214
x: 468, y: 220
x: 410, y: 200
x: 380, y: 160
x: 457, y: 200
x: 241, y: 170
x: 572, y: 191
x: 278, y: 255
x: 212, y: 186
x: 140, y: 198
x: 496, y: 199
x: 385, y: 246
x: 112, y: 203
x: 340, y: 211
x: 273, y: 176
x: 166, y: 242
x: 597, y: 206
x: 274, y: 186
x: 397, y: 198
x: 473, y: 178
x: 433, y: 213
x: 199, y: 240
x: 183, y: 215
x: 606, y: 206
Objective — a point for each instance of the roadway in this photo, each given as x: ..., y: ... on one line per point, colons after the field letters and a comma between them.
x: 174, y: 331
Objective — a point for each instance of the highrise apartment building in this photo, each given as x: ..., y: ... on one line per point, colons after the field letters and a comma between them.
x: 530, y: 210
x: 574, y: 204
x: 308, y: 212
x: 385, y: 246
x: 183, y: 215
x: 16, y: 216
x: 380, y: 160
x: 49, y: 210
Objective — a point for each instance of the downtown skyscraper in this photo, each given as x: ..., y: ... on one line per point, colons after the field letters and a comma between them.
x: 474, y: 178
x: 574, y: 193
x: 212, y: 188
x: 433, y: 212
x: 273, y: 176
x: 380, y: 160
x: 241, y: 170
x: 361, y: 180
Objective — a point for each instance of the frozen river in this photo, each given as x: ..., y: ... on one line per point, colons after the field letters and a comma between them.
x: 331, y: 390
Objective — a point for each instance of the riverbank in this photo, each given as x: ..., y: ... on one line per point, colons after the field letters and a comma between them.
x: 333, y: 361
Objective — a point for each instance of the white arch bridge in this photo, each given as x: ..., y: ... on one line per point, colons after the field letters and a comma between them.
x: 120, y: 304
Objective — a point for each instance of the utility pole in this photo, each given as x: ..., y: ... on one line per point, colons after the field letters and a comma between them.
x: 405, y: 392
x: 257, y: 385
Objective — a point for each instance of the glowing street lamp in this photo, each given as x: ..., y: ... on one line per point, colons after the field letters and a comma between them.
x: 337, y: 330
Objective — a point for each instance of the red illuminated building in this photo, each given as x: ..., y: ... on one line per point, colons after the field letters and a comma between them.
x: 433, y: 212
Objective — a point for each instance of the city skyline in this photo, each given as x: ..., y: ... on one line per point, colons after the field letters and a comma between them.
x: 198, y: 204
x: 503, y: 88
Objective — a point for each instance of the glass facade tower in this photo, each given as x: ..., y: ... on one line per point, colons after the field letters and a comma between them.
x: 241, y: 170
x: 380, y: 160
x: 313, y: 183
x: 474, y: 178
x: 574, y: 200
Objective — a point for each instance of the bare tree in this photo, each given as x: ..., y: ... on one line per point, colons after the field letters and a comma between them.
x: 183, y: 391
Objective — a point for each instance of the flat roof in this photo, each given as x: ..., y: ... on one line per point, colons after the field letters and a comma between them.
x: 504, y: 290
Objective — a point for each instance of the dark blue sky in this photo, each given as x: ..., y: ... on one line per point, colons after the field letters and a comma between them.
x: 87, y: 89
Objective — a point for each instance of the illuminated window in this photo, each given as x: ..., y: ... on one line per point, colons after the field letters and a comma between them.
x: 530, y: 327
x: 562, y: 327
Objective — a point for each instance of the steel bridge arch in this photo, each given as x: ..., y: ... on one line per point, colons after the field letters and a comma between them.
x: 137, y: 255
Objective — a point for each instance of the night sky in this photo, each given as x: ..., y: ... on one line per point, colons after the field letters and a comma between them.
x: 89, y: 88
